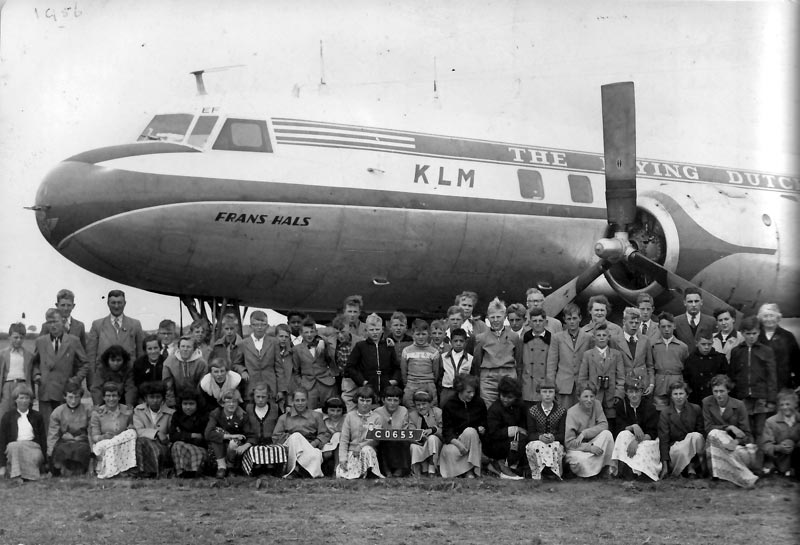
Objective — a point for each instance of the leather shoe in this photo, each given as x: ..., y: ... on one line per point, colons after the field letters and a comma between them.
x: 221, y: 473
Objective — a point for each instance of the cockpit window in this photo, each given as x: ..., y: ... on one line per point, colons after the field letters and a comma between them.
x: 167, y: 128
x: 203, y: 127
x: 244, y: 135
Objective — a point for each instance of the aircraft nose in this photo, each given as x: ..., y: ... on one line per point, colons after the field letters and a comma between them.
x: 82, y: 189
x: 68, y: 198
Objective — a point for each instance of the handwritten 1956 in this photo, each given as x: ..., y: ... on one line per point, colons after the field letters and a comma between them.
x: 58, y: 13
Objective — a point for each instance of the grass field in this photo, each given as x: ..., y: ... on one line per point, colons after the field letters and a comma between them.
x: 401, y: 511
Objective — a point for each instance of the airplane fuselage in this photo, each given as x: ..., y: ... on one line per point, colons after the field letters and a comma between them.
x: 284, y: 212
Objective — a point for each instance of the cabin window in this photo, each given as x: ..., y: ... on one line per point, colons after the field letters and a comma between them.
x: 580, y: 188
x: 203, y: 127
x: 530, y: 184
x: 167, y: 128
x: 244, y: 135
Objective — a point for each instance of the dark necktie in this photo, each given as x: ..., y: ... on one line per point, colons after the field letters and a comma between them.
x: 693, y: 325
x: 644, y: 329
x: 57, y: 344
x: 632, y: 345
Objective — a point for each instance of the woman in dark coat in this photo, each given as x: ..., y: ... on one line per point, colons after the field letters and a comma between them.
x: 23, y: 439
x: 187, y: 432
x: 505, y: 430
x: 463, y: 422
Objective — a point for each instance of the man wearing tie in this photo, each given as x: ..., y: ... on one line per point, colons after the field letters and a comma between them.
x: 116, y: 328
x: 687, y: 325
x: 636, y: 353
x: 647, y: 327
x: 262, y: 361
x: 57, y: 358
x: 166, y: 334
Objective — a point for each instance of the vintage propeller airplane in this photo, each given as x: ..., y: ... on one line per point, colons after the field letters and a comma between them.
x: 226, y: 205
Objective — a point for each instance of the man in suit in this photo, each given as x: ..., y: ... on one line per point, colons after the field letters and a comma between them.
x: 647, y: 326
x: 635, y: 349
x: 65, y: 303
x: 565, y: 355
x: 262, y: 361
x: 689, y: 324
x: 15, y: 366
x: 116, y: 328
x: 57, y: 358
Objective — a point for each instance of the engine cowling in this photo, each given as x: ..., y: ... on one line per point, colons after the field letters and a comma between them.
x: 655, y: 235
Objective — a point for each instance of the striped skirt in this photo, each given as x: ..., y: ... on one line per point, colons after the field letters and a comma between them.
x: 730, y: 465
x: 263, y: 455
x: 188, y: 457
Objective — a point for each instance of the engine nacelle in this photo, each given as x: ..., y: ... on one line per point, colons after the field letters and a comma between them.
x: 655, y: 235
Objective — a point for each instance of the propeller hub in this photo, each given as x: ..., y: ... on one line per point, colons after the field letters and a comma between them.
x: 613, y: 249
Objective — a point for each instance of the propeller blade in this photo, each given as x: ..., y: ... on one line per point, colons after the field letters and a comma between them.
x: 556, y: 301
x: 619, y: 148
x: 677, y: 284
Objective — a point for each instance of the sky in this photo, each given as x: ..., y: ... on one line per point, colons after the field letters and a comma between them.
x: 715, y: 84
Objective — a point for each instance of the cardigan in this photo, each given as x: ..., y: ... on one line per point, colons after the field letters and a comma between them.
x: 458, y: 415
x: 9, y: 432
x: 261, y: 429
x: 354, y: 431
x: 539, y: 423
x: 646, y: 416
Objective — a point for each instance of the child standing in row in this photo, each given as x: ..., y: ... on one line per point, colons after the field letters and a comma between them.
x: 419, y: 365
x: 456, y: 362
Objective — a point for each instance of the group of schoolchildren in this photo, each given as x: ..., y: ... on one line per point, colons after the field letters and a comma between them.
x: 515, y: 395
